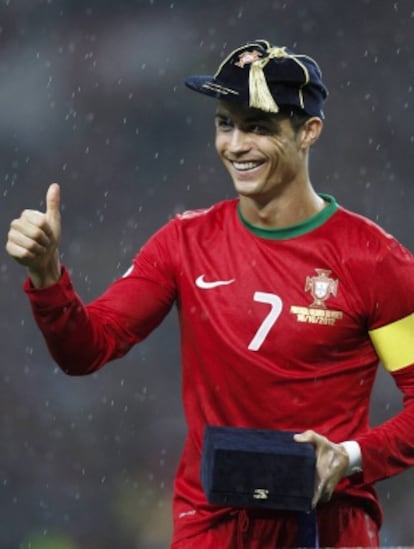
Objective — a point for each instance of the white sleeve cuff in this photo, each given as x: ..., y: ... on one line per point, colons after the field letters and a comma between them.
x: 353, y: 450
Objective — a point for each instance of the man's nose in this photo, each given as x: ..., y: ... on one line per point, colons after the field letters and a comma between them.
x: 239, y: 141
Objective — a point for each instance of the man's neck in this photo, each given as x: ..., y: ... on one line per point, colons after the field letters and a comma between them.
x: 281, y: 211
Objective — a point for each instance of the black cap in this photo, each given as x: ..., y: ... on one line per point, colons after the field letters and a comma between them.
x: 266, y: 77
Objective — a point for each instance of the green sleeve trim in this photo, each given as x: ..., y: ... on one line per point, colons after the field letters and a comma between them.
x: 299, y: 229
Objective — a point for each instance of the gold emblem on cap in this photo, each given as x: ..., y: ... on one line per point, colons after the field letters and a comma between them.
x: 247, y: 57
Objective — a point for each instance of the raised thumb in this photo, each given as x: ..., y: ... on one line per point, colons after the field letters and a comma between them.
x: 53, y: 202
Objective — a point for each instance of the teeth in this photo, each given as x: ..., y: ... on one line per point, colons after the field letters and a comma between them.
x: 245, y: 165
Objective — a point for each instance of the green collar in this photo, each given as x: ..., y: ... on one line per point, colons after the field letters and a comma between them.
x: 294, y: 230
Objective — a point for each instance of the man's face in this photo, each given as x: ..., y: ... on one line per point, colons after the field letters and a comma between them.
x: 261, y: 151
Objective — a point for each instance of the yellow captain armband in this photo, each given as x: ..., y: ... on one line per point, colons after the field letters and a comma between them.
x: 394, y: 343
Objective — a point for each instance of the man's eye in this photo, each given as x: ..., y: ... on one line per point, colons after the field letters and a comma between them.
x: 223, y: 123
x: 258, y: 128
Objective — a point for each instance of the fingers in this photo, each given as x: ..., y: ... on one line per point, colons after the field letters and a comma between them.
x: 306, y: 436
x: 35, y: 234
x: 331, y: 464
x: 31, y: 226
x: 315, y: 439
x: 23, y: 248
x: 26, y: 238
x: 34, y: 225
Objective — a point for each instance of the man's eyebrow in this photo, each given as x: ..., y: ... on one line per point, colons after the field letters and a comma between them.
x: 222, y: 114
x: 261, y: 119
x: 249, y: 119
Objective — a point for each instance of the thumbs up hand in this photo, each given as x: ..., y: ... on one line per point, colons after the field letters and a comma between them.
x: 33, y: 240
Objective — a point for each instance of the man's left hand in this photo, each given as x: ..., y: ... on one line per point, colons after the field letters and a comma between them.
x: 332, y: 462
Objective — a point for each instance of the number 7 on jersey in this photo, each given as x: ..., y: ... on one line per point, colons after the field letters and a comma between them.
x: 276, y: 308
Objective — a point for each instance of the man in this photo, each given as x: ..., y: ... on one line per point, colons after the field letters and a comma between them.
x: 280, y: 327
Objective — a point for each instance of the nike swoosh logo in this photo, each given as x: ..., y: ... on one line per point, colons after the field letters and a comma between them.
x: 205, y: 285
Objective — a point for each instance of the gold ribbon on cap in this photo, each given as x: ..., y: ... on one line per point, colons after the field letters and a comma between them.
x: 259, y: 93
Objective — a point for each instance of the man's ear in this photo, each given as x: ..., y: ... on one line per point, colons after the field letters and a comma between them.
x: 310, y: 132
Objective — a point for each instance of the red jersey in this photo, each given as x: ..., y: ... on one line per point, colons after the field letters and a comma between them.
x: 280, y: 329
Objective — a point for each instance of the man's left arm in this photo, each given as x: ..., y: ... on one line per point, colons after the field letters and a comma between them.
x: 388, y: 449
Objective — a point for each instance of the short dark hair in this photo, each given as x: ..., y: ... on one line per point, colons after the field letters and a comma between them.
x: 297, y: 117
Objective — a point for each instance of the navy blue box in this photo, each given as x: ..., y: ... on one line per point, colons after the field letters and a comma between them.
x: 257, y: 468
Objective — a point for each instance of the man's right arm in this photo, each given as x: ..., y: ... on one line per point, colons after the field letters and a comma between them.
x: 81, y: 338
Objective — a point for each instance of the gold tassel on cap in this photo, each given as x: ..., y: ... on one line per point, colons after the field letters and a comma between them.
x: 259, y: 93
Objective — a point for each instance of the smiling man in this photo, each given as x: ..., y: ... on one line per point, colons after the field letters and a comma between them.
x: 280, y: 329
x: 268, y: 159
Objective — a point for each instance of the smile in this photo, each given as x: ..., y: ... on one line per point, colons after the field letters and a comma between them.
x: 245, y: 166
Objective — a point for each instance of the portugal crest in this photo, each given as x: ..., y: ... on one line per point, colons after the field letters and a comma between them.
x: 321, y: 287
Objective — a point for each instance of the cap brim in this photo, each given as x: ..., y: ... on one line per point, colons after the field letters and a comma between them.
x: 286, y: 96
x: 208, y: 85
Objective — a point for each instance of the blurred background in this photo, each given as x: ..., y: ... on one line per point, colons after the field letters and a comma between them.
x: 91, y: 96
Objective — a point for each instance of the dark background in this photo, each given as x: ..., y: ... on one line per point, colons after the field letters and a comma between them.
x: 91, y: 96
